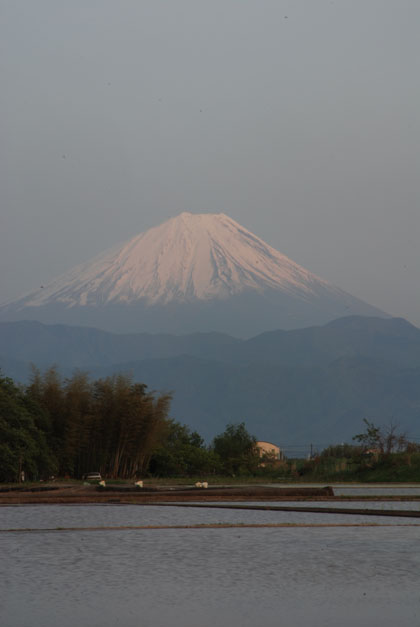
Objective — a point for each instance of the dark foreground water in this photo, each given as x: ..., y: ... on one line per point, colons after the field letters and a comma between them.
x: 290, y: 576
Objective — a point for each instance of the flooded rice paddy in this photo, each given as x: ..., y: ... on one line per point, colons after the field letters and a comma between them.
x: 239, y: 576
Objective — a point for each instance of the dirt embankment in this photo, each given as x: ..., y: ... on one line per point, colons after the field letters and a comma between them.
x: 82, y: 494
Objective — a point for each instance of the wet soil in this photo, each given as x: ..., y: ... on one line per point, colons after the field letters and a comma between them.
x: 82, y: 494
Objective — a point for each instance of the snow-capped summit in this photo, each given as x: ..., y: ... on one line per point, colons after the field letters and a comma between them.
x: 188, y: 274
x: 189, y: 257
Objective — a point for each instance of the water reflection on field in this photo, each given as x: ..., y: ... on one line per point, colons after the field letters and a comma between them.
x: 53, y: 516
x: 364, y: 489
x: 375, y: 490
x: 201, y: 577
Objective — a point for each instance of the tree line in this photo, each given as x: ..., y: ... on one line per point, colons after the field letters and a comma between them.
x: 113, y: 425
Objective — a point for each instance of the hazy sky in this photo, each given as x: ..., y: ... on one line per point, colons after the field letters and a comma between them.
x: 299, y: 119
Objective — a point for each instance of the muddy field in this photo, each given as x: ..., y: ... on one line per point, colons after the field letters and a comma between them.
x: 73, y: 494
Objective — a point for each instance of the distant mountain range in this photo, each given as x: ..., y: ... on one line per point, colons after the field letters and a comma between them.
x: 194, y: 273
x: 300, y: 386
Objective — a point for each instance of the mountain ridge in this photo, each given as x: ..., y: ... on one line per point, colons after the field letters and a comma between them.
x: 314, y: 384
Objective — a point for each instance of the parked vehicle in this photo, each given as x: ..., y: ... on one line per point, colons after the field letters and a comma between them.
x: 92, y: 476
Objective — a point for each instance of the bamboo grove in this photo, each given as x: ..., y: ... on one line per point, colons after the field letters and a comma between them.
x: 73, y: 426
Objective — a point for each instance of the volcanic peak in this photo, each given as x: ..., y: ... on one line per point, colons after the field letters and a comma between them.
x: 187, y: 258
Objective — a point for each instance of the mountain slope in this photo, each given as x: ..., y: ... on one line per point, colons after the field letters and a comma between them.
x: 392, y: 340
x: 309, y: 385
x: 195, y: 272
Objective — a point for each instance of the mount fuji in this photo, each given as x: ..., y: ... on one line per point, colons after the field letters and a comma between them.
x: 195, y: 272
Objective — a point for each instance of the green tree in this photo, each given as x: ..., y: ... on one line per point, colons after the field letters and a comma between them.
x: 76, y: 421
x: 23, y: 446
x: 111, y: 425
x: 385, y: 440
x: 237, y: 450
x: 128, y: 425
x: 183, y: 453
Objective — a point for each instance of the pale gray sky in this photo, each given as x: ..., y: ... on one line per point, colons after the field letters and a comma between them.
x: 297, y: 118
